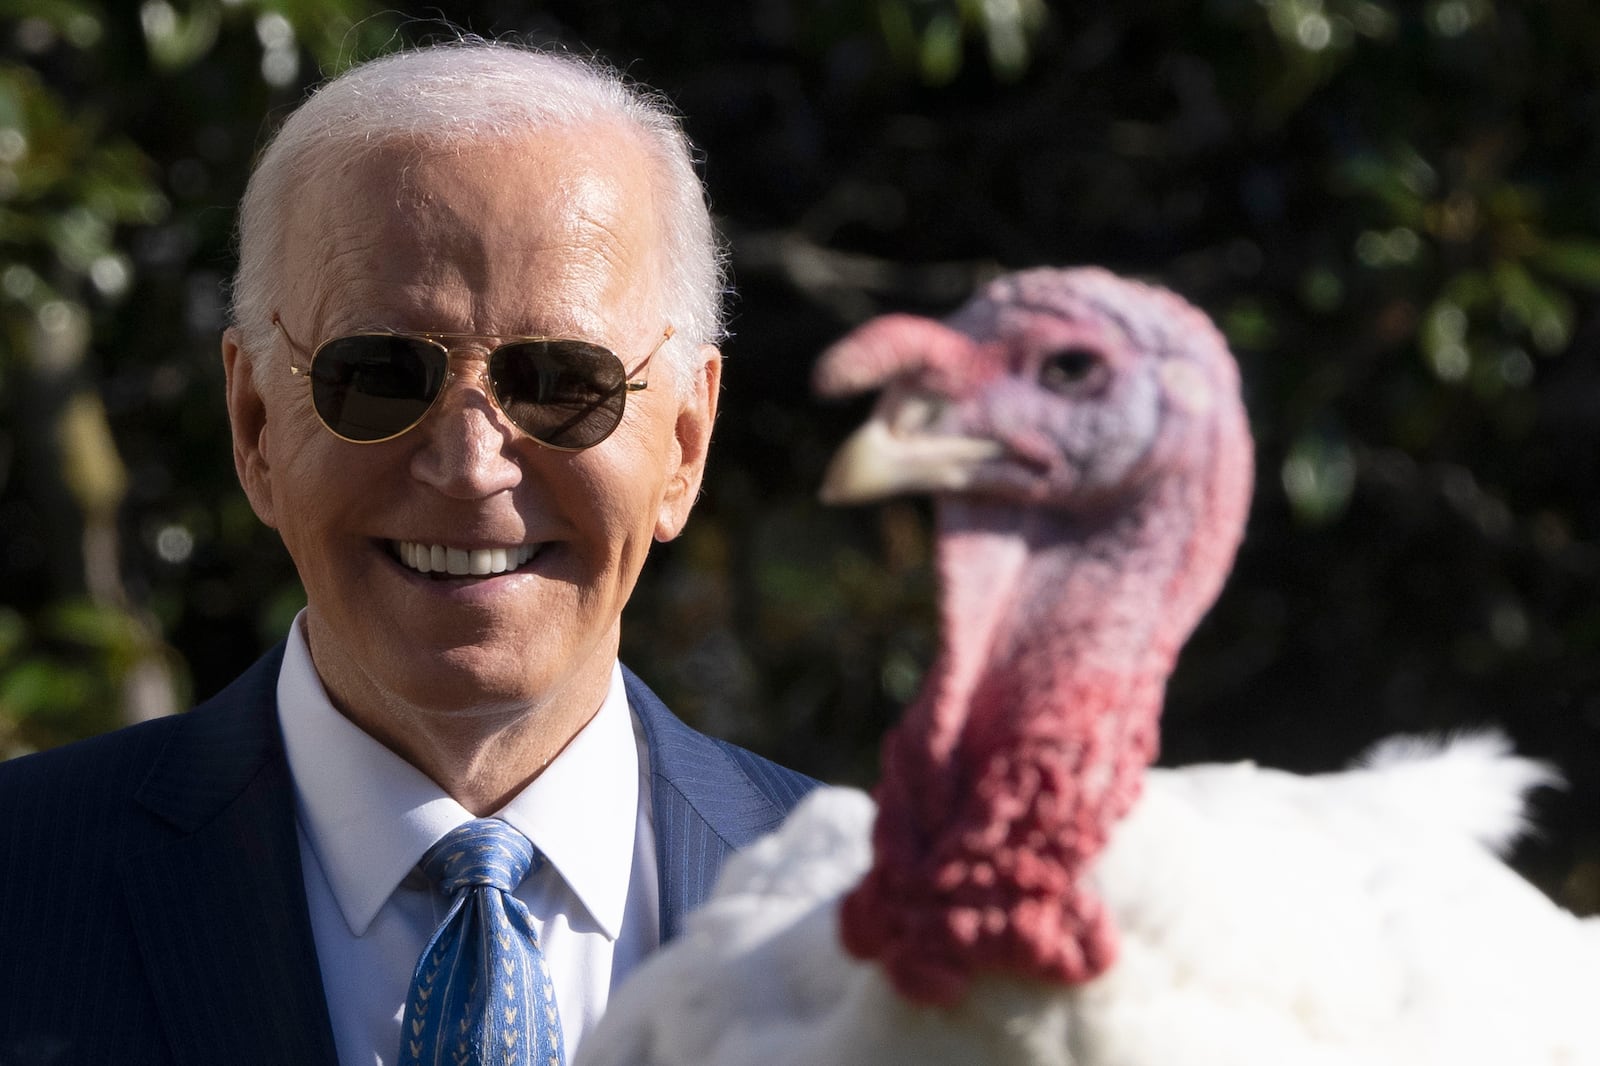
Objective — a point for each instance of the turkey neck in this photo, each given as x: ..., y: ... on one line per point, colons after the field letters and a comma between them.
x: 1041, y: 610
x: 1027, y: 741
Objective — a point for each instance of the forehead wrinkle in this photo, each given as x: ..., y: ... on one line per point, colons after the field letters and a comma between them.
x: 330, y: 281
x: 309, y: 287
x: 615, y: 206
x: 614, y: 253
x: 417, y: 251
x: 365, y: 280
x: 596, y: 248
x: 581, y: 249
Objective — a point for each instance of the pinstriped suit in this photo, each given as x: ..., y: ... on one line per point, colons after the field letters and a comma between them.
x: 152, y: 908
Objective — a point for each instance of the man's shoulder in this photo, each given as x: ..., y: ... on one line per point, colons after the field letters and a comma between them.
x: 709, y: 798
x: 75, y: 811
x: 87, y: 774
x: 785, y: 787
x: 112, y: 761
x: 713, y: 774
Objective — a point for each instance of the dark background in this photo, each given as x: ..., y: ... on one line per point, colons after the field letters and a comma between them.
x: 1392, y: 209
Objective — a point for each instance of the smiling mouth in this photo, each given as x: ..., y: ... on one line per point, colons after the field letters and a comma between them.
x: 459, y: 562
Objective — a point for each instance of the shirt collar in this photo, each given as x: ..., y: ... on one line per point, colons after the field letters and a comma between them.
x: 369, y: 815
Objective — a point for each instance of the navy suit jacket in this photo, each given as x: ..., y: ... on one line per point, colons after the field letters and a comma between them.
x: 151, y: 902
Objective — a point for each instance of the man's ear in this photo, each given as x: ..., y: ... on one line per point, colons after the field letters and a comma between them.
x: 696, y: 416
x: 247, y: 415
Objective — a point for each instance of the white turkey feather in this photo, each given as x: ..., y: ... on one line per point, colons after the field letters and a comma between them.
x: 1351, y: 919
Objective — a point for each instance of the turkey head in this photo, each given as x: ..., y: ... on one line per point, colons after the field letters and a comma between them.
x: 1090, y: 459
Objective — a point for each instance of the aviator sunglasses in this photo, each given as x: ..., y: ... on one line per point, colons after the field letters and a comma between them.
x: 372, y: 387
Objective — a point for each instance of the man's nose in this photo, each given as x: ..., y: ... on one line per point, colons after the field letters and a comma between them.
x: 468, y: 447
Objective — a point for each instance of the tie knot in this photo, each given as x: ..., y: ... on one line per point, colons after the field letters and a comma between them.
x: 482, y: 852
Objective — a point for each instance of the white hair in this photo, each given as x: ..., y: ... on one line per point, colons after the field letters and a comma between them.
x: 479, y: 91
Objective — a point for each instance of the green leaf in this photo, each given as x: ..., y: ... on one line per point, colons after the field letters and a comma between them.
x: 1249, y: 325
x: 939, y: 56
x: 175, y: 39
x: 93, y: 625
x: 1545, y: 312
x: 1319, y: 476
x: 1573, y: 260
x: 13, y: 632
x: 40, y: 686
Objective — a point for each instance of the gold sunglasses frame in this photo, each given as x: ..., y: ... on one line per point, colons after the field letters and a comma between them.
x: 438, y: 338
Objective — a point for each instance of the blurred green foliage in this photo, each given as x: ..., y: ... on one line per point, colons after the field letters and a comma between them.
x: 1391, y: 208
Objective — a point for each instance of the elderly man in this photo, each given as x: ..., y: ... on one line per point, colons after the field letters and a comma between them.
x: 471, y: 377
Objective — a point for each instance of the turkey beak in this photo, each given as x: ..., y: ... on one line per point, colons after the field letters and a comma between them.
x: 882, y: 459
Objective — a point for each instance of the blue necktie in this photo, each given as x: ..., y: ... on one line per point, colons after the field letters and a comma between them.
x: 481, y: 994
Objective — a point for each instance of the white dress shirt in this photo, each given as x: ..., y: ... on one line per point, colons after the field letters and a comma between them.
x: 366, y: 816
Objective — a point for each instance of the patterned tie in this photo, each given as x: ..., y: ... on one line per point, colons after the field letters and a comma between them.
x: 481, y: 995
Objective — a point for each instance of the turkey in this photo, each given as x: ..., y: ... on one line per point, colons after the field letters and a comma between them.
x: 1021, y: 887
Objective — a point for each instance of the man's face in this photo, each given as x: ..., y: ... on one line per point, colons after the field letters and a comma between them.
x: 549, y: 236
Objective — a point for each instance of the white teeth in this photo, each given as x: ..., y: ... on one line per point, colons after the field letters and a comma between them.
x: 479, y: 562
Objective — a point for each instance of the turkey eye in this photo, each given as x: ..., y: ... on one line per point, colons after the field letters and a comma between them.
x: 1067, y: 368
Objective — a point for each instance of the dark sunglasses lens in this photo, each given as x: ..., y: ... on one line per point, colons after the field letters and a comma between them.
x: 568, y: 394
x: 372, y: 387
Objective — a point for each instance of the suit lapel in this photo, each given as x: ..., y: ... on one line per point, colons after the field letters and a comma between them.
x: 220, y: 907
x: 705, y: 806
